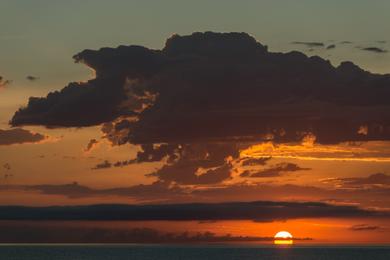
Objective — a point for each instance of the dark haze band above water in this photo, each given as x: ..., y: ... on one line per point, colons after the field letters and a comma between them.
x: 155, y: 252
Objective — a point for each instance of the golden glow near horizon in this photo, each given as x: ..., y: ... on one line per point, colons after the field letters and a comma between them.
x: 283, y: 238
x: 372, y: 151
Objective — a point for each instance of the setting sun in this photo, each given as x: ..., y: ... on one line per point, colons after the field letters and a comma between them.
x: 283, y: 238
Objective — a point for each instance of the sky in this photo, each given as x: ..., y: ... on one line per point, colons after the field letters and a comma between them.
x: 281, y: 102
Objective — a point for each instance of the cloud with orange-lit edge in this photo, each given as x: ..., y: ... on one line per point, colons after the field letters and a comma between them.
x: 210, y: 95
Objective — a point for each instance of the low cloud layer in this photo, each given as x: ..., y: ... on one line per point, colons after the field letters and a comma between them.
x: 257, y: 211
x: 13, y: 233
x: 365, y: 196
x: 19, y: 136
x: 154, y: 191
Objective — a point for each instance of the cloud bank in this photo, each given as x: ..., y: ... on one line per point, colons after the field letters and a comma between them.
x: 257, y: 211
x: 159, y: 191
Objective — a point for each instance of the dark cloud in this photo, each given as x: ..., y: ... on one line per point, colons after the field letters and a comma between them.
x: 255, y: 161
x: 205, y: 96
x: 199, y: 164
x: 374, y: 49
x: 364, y: 227
x: 98, y: 100
x: 373, y: 179
x: 91, y: 144
x: 187, y: 164
x: 382, y: 42
x: 103, y: 165
x: 123, y: 163
x: 32, y: 78
x: 69, y: 157
x: 8, y: 175
x: 4, y: 82
x: 149, y: 153
x: 40, y: 233
x: 275, y: 171
x: 211, y: 86
x: 378, y: 178
x: 332, y: 46
x: 310, y: 44
x: 156, y: 191
x: 184, y: 172
x: 346, y: 42
x: 371, y: 196
x: 155, y: 153
x: 365, y: 196
x: 19, y: 136
x: 72, y: 190
x: 258, y: 211
x: 7, y: 166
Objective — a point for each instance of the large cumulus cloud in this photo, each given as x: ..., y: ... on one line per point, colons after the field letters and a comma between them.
x: 212, y: 89
x: 218, y: 86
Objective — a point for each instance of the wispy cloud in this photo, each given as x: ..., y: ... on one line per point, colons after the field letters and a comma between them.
x: 310, y: 44
x: 4, y: 82
x: 32, y: 78
x: 364, y: 227
x: 274, y: 171
x: 359, y: 182
x: 374, y: 49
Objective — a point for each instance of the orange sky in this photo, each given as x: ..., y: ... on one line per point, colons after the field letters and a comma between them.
x: 321, y: 231
x: 60, y: 170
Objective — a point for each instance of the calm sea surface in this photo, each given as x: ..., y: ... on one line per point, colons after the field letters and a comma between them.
x: 171, y: 252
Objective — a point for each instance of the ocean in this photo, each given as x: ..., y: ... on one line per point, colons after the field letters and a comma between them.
x: 190, y: 252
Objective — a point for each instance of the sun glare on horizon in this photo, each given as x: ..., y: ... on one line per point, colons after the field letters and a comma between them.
x: 283, y: 238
